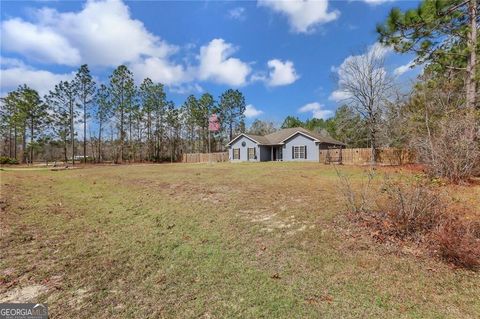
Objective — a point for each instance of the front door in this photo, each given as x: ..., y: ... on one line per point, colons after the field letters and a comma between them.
x: 277, y: 153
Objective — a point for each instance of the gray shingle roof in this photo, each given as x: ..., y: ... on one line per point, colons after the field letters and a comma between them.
x: 280, y: 136
x: 258, y: 138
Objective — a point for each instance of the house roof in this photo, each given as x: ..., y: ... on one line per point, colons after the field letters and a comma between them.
x: 260, y: 139
x: 280, y: 136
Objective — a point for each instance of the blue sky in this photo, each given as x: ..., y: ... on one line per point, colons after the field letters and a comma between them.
x: 284, y: 56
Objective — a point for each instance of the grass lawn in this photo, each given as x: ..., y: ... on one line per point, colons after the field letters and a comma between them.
x: 262, y: 240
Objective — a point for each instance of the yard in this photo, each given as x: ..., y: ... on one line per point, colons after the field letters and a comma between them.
x: 212, y: 241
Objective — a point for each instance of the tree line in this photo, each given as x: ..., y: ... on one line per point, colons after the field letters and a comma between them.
x: 438, y: 117
x: 118, y: 121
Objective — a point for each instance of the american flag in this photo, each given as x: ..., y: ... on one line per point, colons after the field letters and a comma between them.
x: 213, y: 123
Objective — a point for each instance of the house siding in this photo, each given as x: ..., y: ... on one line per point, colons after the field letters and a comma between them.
x: 300, y: 140
x: 264, y: 152
x: 244, y: 149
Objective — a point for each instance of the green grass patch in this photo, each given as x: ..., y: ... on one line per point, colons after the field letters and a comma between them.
x: 214, y: 241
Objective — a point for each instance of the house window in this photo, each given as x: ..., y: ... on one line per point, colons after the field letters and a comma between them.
x: 236, y: 153
x: 299, y: 152
x: 251, y: 153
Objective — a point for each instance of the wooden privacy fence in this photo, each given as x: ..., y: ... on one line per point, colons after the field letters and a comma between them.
x: 347, y: 156
x: 205, y: 157
x: 362, y: 156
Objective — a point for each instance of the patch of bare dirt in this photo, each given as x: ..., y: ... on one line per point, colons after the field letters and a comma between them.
x: 79, y: 297
x: 271, y: 221
x: 23, y: 294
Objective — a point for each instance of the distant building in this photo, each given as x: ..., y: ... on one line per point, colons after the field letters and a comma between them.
x: 292, y: 144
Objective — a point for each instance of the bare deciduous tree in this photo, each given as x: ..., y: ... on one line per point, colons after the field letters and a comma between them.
x: 366, y: 87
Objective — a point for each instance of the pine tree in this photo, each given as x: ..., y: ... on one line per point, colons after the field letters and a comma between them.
x: 59, y: 101
x: 35, y: 115
x: 232, y: 106
x: 10, y: 120
x: 103, y: 114
x: 85, y: 87
x: 442, y: 33
x: 206, y: 104
x: 153, y: 102
x: 191, y: 109
x: 121, y: 90
x: 172, y: 119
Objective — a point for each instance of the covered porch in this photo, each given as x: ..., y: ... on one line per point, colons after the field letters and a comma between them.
x: 271, y: 153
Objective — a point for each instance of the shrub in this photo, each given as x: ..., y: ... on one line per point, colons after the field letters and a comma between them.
x: 459, y: 243
x: 7, y: 160
x: 413, y: 209
x: 452, y: 151
x: 361, y: 201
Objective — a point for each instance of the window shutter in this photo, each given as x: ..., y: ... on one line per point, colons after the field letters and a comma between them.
x: 293, y: 151
x: 255, y: 153
x: 305, y: 151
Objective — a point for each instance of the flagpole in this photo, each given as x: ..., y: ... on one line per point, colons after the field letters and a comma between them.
x: 213, y: 126
x: 209, y: 146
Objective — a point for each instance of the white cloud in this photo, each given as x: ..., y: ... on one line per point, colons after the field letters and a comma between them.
x: 237, y: 13
x: 159, y: 70
x: 303, y: 16
x: 403, y: 68
x: 38, y: 42
x: 378, y: 50
x: 251, y: 111
x: 6, y: 62
x: 40, y: 80
x: 216, y: 64
x: 102, y: 33
x: 281, y: 73
x: 338, y: 96
x: 316, y: 109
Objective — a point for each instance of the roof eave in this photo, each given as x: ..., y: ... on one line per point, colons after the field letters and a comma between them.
x: 245, y: 135
x: 303, y: 133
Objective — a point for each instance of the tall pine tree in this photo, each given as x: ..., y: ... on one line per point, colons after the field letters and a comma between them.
x: 85, y: 87
x: 121, y: 90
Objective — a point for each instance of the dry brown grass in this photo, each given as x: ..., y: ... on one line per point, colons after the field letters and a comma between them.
x: 219, y: 241
x: 458, y: 242
x: 416, y: 210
